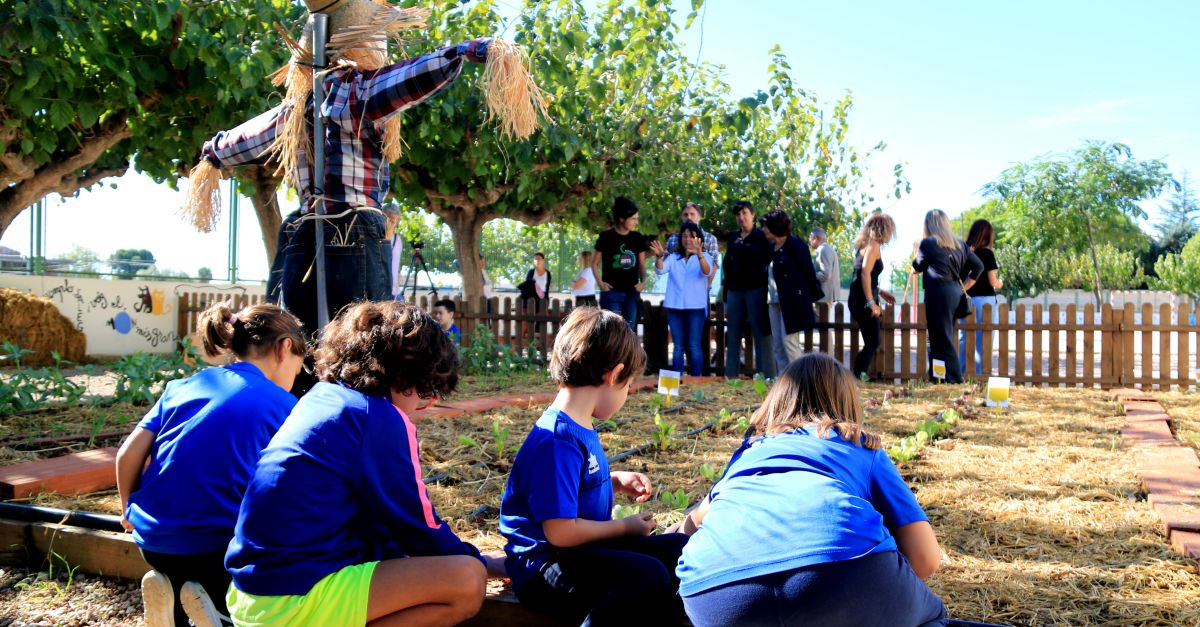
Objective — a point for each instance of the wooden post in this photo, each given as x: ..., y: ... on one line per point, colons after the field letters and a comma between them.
x: 1037, y: 327
x: 1072, y: 373
x: 887, y: 351
x: 906, y: 359
x: 823, y: 311
x: 719, y: 326
x: 1165, y: 376
x: 1019, y: 375
x: 922, y: 347
x: 839, y: 350
x: 1128, y: 324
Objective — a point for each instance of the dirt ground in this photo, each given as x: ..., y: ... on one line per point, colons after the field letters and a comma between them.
x: 1037, y: 509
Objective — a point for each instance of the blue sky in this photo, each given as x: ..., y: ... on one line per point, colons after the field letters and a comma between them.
x: 958, y: 90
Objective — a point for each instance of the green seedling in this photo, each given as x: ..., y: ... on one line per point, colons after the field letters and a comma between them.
x: 14, y: 352
x: 862, y: 376
x: 97, y: 427
x: 699, y: 396
x: 711, y: 473
x: 625, y: 511
x: 654, y: 404
x: 743, y: 424
x: 663, y: 430
x: 760, y: 386
x: 499, y: 436
x: 604, y: 425
x: 677, y: 500
x: 734, y: 384
x: 470, y: 442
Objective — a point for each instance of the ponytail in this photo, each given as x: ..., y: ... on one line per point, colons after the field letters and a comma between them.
x: 249, y: 332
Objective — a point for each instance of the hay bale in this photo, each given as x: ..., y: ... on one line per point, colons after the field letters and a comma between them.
x: 33, y: 322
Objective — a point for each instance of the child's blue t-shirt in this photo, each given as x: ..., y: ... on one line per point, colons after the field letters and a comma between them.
x: 454, y: 334
x: 792, y: 500
x: 209, y: 431
x: 340, y: 484
x: 560, y: 472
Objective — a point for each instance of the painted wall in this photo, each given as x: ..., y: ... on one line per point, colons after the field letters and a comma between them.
x: 120, y: 317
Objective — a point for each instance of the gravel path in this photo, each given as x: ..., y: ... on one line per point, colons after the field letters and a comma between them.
x: 29, y: 598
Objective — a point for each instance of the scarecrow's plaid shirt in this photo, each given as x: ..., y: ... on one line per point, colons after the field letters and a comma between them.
x: 355, y: 107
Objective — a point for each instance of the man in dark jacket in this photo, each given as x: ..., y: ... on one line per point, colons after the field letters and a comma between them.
x: 747, y: 254
x: 795, y: 279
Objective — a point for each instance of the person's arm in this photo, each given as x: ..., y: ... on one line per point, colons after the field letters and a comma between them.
x: 399, y: 86
x: 247, y: 143
x: 131, y: 462
x: 807, y: 274
x: 993, y: 278
x: 549, y: 280
x: 596, y: 257
x: 821, y: 268
x: 921, y: 256
x: 705, y: 266
x: 579, y: 281
x: 869, y: 257
x: 569, y: 532
x: 641, y: 272
x: 919, y: 545
x: 691, y: 522
x: 972, y: 267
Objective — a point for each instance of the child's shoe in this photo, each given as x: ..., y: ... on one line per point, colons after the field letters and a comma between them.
x: 158, y: 600
x: 199, y: 606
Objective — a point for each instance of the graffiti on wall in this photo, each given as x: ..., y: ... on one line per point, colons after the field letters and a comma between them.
x: 102, y: 297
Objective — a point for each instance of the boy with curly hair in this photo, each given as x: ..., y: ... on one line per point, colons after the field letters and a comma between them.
x: 336, y: 527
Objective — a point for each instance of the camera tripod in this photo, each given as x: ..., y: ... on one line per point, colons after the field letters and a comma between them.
x: 413, y: 271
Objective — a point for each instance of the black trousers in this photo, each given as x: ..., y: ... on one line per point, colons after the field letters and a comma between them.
x: 609, y: 583
x: 206, y: 569
x: 868, y: 328
x: 941, y: 299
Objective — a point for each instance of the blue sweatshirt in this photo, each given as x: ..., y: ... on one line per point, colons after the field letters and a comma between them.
x: 792, y: 500
x: 340, y: 484
x: 209, y: 430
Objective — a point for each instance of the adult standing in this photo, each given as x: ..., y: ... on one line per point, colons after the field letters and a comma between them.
x: 863, y: 299
x: 693, y: 213
x: 489, y: 291
x: 391, y: 217
x: 620, y: 263
x: 949, y: 269
x: 687, y: 268
x: 825, y: 260
x: 981, y: 239
x: 583, y: 288
x: 795, y: 279
x: 775, y: 314
x: 747, y: 255
x: 535, y: 290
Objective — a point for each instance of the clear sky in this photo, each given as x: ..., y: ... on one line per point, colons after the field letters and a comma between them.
x: 958, y: 90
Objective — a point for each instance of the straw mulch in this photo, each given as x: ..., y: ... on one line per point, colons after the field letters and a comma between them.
x: 1041, y: 520
x: 1184, y: 409
x: 33, y: 322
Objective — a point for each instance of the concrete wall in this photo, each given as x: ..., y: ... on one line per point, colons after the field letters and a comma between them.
x: 119, y: 317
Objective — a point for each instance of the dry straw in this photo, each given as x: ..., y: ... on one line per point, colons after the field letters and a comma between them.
x: 514, y: 101
x: 202, y: 204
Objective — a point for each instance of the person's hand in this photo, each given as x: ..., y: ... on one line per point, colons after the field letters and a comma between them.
x: 640, y: 286
x: 916, y: 246
x: 639, y: 524
x: 876, y: 311
x: 887, y: 297
x: 634, y: 484
x: 128, y: 526
x: 604, y: 287
x: 999, y: 284
x: 656, y: 247
x: 495, y: 564
x: 694, y: 245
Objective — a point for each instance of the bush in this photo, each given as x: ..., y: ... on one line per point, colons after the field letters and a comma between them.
x: 484, y: 355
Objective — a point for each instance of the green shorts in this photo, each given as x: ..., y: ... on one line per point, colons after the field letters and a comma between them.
x: 338, y: 599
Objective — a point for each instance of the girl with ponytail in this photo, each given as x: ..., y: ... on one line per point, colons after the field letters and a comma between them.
x: 182, y: 472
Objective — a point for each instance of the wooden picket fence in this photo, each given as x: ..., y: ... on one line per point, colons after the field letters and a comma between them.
x: 1059, y: 345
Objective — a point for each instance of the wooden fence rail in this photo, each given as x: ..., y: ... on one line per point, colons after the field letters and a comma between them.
x: 1062, y: 346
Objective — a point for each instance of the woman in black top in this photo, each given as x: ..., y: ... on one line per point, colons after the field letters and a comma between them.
x: 981, y: 239
x: 879, y: 229
x: 949, y: 267
x: 795, y: 280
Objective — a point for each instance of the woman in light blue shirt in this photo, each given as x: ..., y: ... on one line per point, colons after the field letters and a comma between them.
x: 687, y: 269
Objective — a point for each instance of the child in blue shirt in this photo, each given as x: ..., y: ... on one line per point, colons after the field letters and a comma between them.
x: 443, y: 312
x: 566, y: 555
x: 686, y: 302
x: 202, y: 439
x: 811, y: 522
x: 336, y: 527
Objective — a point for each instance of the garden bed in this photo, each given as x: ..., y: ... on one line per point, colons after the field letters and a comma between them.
x: 1038, y: 511
x: 1184, y: 409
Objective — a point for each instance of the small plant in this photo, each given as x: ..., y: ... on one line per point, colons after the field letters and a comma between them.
x: 743, y: 424
x: 13, y: 352
x: 677, y: 500
x: 499, y: 436
x: 484, y: 355
x: 734, y: 384
x: 711, y: 473
x: 625, y: 511
x: 760, y: 386
x: 699, y: 396
x: 663, y: 430
x: 471, y: 442
x: 97, y: 427
x: 605, y: 425
x: 864, y: 377
x: 654, y: 404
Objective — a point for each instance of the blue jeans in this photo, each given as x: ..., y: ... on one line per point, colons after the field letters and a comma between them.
x: 624, y: 304
x: 741, y: 305
x: 687, y: 330
x: 978, y: 302
x: 879, y: 589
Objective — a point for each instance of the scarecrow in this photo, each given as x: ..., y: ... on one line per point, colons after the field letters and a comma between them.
x: 359, y: 112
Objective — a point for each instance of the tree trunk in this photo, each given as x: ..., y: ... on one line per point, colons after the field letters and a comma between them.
x: 466, y: 223
x: 1098, y: 286
x: 266, y: 207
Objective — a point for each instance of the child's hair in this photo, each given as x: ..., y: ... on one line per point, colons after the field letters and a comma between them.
x: 814, y: 387
x: 981, y: 235
x: 585, y: 256
x: 689, y: 227
x: 777, y: 222
x: 251, y: 332
x: 593, y: 341
x: 446, y: 304
x: 377, y: 347
x: 622, y: 210
x: 879, y: 227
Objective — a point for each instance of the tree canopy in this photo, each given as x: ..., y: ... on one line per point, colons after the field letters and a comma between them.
x: 630, y: 114
x: 91, y: 87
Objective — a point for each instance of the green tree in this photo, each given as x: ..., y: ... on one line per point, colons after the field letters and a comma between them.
x: 91, y: 87
x: 80, y: 260
x: 631, y: 115
x: 1180, y: 272
x: 1052, y: 200
x: 1028, y: 271
x: 1178, y: 223
x: 204, y: 274
x: 126, y: 262
x: 1118, y: 270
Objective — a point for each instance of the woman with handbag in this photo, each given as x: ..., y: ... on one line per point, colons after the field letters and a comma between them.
x: 864, y: 297
x: 949, y: 268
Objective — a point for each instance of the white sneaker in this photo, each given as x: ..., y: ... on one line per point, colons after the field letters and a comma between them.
x: 200, y: 607
x: 158, y: 600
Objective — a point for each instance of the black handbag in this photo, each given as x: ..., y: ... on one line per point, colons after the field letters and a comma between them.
x: 965, y: 308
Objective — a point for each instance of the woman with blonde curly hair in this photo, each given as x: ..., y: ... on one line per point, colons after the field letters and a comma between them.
x: 863, y: 301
